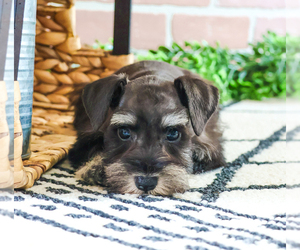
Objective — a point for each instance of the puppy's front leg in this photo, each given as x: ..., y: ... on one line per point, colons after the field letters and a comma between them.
x: 204, y: 162
x: 85, y: 148
x: 93, y: 171
x: 207, y: 154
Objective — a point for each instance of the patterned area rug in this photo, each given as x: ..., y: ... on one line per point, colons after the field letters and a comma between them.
x: 247, y: 204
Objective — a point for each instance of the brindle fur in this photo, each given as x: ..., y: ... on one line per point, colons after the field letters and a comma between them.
x: 149, y: 90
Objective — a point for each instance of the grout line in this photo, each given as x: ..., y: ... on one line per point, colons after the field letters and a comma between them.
x: 169, y: 30
x: 251, y: 30
x: 210, y: 10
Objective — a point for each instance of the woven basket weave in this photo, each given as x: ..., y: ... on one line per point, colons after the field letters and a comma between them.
x: 60, y: 65
x: 60, y: 62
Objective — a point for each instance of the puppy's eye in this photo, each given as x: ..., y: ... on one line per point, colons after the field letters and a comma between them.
x: 124, y: 133
x: 173, y: 134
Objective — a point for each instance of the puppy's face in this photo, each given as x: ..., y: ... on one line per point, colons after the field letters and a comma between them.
x: 147, y: 141
x: 148, y: 126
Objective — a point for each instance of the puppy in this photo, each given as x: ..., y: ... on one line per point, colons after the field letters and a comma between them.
x: 143, y: 129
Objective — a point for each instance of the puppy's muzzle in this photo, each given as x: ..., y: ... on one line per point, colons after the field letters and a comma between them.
x: 145, y: 183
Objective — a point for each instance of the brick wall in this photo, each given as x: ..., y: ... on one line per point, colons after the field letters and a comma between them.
x: 234, y: 23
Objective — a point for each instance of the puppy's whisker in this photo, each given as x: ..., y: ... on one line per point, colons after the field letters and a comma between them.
x: 207, y: 152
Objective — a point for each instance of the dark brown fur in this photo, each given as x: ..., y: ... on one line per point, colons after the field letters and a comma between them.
x: 150, y: 93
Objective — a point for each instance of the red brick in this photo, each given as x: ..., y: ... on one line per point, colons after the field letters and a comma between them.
x: 148, y: 31
x: 292, y: 26
x: 174, y: 2
x: 269, y: 4
x: 277, y: 25
x: 92, y: 25
x: 292, y: 3
x: 229, y: 31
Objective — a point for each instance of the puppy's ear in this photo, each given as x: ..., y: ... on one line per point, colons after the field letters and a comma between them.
x: 102, y: 94
x: 200, y: 98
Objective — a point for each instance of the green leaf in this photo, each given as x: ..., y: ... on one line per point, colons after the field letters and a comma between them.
x: 242, y: 75
x: 223, y: 74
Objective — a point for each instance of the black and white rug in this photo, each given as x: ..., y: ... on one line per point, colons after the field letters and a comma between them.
x: 252, y: 203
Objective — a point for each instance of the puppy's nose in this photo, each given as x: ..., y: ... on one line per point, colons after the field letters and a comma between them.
x: 145, y: 183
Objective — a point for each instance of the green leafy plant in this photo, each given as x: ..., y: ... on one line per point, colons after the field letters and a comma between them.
x: 258, y: 74
x: 293, y: 66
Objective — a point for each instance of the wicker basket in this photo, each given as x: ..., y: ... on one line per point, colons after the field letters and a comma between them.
x: 60, y: 62
x: 60, y: 65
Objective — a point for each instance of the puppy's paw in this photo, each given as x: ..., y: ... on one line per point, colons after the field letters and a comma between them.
x: 92, y: 172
